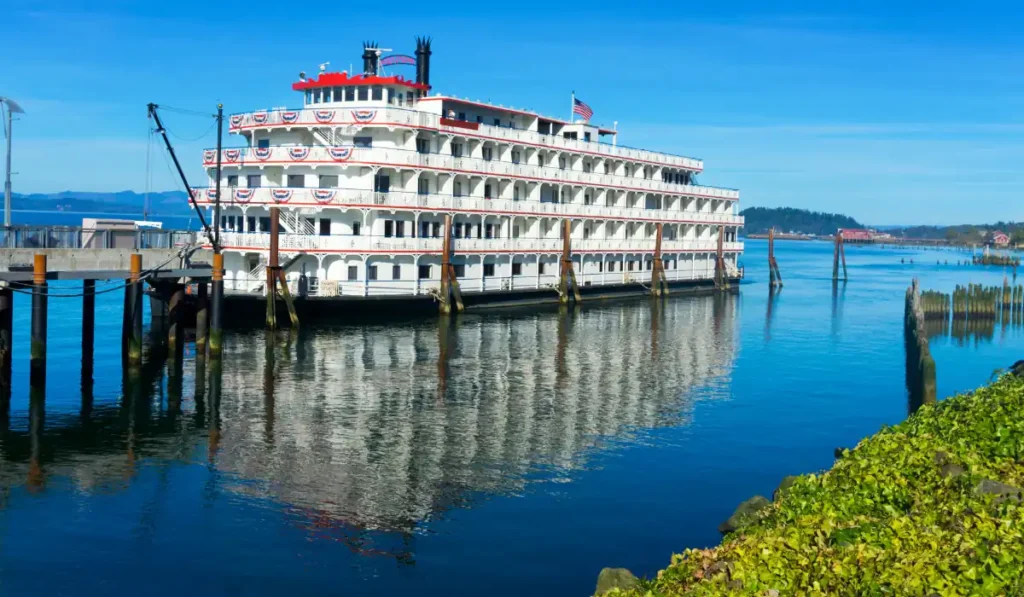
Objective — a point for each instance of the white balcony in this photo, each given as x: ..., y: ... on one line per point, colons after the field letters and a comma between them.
x: 310, y: 200
x: 403, y: 117
x: 302, y: 243
x: 317, y: 155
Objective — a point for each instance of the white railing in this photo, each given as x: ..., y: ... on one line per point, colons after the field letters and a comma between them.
x: 338, y: 116
x: 296, y: 224
x: 298, y: 155
x: 299, y: 198
x: 259, y: 241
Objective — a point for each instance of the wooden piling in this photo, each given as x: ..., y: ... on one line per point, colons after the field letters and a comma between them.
x: 202, y: 318
x: 88, y: 330
x: 659, y: 283
x: 271, y: 269
x: 774, y: 275
x: 37, y: 351
x: 721, y: 278
x: 567, y: 274
x: 132, y: 330
x: 216, y: 306
x: 6, y: 336
x: 175, y: 316
x: 446, y: 247
x: 839, y: 253
x: 920, y: 364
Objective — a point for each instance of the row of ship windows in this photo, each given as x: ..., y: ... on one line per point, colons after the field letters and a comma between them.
x: 425, y: 272
x: 360, y: 93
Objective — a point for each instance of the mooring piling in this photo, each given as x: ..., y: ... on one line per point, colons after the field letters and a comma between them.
x: 839, y: 253
x: 88, y: 330
x: 216, y: 305
x: 176, y: 324
x: 721, y: 278
x: 132, y: 330
x: 567, y: 274
x: 659, y: 283
x: 202, y: 318
x: 920, y: 364
x: 37, y: 349
x: 6, y: 335
x: 271, y: 282
x: 774, y: 275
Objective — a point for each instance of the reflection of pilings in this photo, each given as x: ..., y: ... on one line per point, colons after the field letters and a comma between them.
x: 773, y: 292
x: 838, y: 299
x: 199, y: 397
x: 36, y: 421
x: 268, y: 387
x: 213, y: 418
x: 444, y: 326
x: 6, y: 339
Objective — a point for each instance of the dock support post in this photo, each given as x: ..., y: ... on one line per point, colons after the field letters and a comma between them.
x: 567, y: 275
x: 6, y: 337
x: 659, y: 284
x: 88, y: 330
x: 133, y: 315
x: 271, y: 284
x: 202, y: 318
x: 839, y: 253
x: 721, y: 279
x: 176, y: 329
x: 216, y: 305
x: 775, y: 276
x: 450, y: 290
x: 37, y: 357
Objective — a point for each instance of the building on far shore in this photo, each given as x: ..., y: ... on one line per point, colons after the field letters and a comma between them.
x: 1000, y: 239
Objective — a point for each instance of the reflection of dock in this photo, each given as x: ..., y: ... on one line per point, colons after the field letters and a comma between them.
x: 374, y: 429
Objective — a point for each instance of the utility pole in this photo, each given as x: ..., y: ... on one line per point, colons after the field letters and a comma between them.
x: 216, y: 200
x: 12, y: 107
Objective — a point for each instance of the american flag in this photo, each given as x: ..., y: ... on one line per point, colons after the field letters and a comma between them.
x: 582, y: 109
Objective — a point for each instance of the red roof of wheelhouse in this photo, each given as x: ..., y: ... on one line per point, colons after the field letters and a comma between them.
x: 342, y: 79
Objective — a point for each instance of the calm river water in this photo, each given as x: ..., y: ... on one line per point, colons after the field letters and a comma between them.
x: 506, y: 454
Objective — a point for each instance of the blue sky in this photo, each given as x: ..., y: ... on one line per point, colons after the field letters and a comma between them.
x: 893, y: 113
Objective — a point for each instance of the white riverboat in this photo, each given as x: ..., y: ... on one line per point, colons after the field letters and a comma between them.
x: 366, y: 171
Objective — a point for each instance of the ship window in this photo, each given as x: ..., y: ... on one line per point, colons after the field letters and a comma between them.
x: 606, y: 167
x: 296, y: 181
x: 350, y: 94
x: 515, y: 193
x: 488, y: 270
x: 424, y: 229
x: 424, y: 272
x: 517, y: 269
x: 561, y: 163
x: 391, y: 95
x: 263, y: 144
x: 462, y: 115
x: 460, y: 270
x: 650, y: 265
x: 328, y: 181
x: 253, y: 181
x: 586, y: 137
x: 423, y: 145
x: 396, y: 272
x: 515, y: 232
x: 327, y: 94
x: 339, y: 93
x: 423, y: 186
x: 400, y: 229
x: 378, y: 93
x: 515, y: 156
x: 600, y: 266
x: 309, y: 94
x: 490, y: 231
x: 355, y: 228
x: 362, y: 141
x: 457, y: 150
x: 316, y: 96
x: 436, y: 229
x: 540, y: 268
x: 408, y: 97
x: 497, y: 122
x: 488, y: 153
x: 480, y: 119
x: 353, y: 271
x: 389, y: 228
x: 631, y: 265
x: 371, y: 272
x: 487, y: 191
x: 233, y: 180
x: 457, y: 189
x: 364, y: 94
x: 325, y: 226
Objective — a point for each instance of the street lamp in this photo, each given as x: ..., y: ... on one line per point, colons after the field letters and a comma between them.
x: 12, y: 108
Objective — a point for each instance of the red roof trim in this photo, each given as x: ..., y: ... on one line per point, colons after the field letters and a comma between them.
x: 342, y: 79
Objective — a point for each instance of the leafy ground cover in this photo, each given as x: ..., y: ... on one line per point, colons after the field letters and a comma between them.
x: 928, y: 507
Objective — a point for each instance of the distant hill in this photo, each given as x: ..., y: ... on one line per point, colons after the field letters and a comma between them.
x: 962, y: 233
x: 788, y: 219
x: 165, y: 203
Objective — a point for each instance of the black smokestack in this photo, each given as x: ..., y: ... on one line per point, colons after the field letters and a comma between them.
x: 370, y: 58
x: 423, y: 60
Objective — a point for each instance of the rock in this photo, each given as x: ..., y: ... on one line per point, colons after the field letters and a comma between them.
x: 615, y: 578
x: 951, y: 470
x: 1002, y: 491
x: 745, y: 514
x: 1018, y: 368
x: 786, y: 483
x: 771, y: 593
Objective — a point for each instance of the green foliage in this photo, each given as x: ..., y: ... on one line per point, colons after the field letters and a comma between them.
x: 788, y: 219
x: 888, y: 518
x: 964, y: 233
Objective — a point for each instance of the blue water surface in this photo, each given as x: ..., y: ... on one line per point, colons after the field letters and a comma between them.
x: 502, y: 453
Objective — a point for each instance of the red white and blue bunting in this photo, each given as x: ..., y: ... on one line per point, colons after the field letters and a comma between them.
x: 259, y: 117
x: 340, y: 154
x: 244, y: 195
x: 197, y: 194
x: 322, y: 196
x: 289, y: 117
x: 209, y: 156
x: 323, y: 115
x: 261, y: 153
x: 364, y: 116
x: 211, y: 194
x: 298, y: 153
x: 236, y: 121
x: 280, y: 195
x: 232, y: 155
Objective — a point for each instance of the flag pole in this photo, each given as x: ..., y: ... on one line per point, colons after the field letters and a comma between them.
x: 572, y: 107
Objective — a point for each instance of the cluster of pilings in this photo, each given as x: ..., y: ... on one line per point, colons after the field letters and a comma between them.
x: 975, y: 301
x: 920, y: 364
x: 935, y: 305
x: 1000, y: 260
x: 172, y: 289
